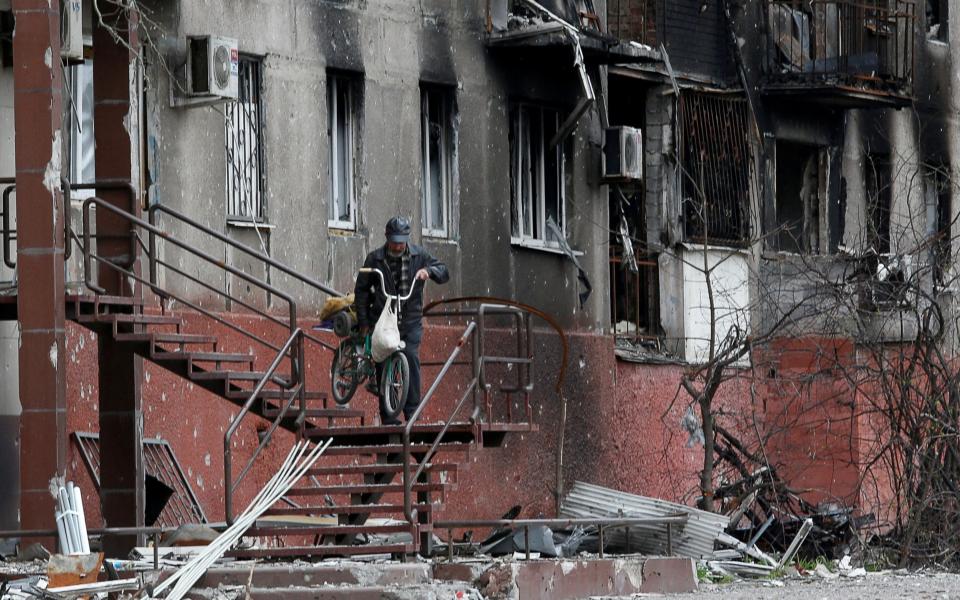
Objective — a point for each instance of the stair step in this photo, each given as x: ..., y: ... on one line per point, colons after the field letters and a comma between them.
x: 367, y: 488
x: 323, y: 550
x: 350, y: 509
x: 271, y: 529
x: 351, y: 430
x: 142, y: 318
x: 166, y: 338
x: 271, y: 394
x: 376, y: 468
x: 333, y: 413
x: 236, y: 376
x: 392, y: 449
x: 204, y: 356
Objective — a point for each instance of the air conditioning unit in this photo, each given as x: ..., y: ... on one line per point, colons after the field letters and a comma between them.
x: 71, y: 30
x: 623, y: 154
x: 213, y: 65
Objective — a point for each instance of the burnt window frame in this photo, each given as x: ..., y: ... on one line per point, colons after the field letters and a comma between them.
x: 942, y: 19
x: 352, y: 83
x: 940, y: 177
x: 445, y: 96
x: 735, y: 204
x: 827, y: 201
x: 878, y: 205
x: 246, y: 207
x: 540, y: 236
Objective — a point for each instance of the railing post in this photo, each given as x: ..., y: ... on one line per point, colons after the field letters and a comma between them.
x: 227, y: 480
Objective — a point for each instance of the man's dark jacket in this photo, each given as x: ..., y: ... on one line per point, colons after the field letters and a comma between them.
x: 370, y: 301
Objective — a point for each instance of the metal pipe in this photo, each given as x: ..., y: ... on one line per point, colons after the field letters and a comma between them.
x: 562, y: 523
x: 228, y: 436
x: 7, y: 237
x: 407, y: 480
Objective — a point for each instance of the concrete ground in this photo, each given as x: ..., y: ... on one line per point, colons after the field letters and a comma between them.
x: 889, y: 585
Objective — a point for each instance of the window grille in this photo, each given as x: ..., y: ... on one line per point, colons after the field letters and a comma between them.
x: 246, y: 181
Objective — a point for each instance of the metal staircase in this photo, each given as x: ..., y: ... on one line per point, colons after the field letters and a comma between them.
x: 377, y: 488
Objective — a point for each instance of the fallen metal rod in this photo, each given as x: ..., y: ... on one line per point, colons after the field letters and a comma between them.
x: 606, y: 522
x: 27, y: 533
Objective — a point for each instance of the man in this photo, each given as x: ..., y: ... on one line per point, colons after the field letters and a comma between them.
x: 402, y: 264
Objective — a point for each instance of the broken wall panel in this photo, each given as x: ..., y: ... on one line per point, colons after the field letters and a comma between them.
x: 718, y: 178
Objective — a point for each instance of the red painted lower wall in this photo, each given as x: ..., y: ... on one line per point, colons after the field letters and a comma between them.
x: 623, y: 424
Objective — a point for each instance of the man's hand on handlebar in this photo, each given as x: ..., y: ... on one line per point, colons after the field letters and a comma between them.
x: 422, y: 275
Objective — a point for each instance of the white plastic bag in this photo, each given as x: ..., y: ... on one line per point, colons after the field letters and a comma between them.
x: 386, y: 335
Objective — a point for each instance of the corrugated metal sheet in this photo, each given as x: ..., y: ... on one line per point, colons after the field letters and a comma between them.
x: 694, y: 540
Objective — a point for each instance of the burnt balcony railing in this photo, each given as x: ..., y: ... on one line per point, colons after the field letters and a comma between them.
x: 856, y: 48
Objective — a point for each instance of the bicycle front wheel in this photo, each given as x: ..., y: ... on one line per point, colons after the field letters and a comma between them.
x: 344, y: 371
x: 394, y: 385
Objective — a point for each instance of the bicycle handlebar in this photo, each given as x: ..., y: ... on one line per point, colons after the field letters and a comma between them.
x: 383, y: 284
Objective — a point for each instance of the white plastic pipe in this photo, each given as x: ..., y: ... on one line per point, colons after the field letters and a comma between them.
x: 292, y: 469
x: 81, y: 521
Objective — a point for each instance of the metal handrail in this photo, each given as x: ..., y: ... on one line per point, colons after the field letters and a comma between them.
x: 293, y: 346
x: 153, y: 282
x: 265, y: 259
x: 471, y: 329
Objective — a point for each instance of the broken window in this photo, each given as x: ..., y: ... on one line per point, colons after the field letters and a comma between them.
x: 633, y: 20
x: 536, y: 174
x: 879, y: 198
x: 937, y: 18
x: 246, y: 182
x: 940, y: 193
x: 82, y: 163
x: 438, y: 146
x: 801, y: 185
x: 717, y: 176
x: 634, y: 274
x: 342, y: 95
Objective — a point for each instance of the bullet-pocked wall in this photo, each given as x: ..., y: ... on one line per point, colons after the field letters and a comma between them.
x: 387, y: 53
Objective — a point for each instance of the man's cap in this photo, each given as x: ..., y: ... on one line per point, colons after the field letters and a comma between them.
x: 397, y: 230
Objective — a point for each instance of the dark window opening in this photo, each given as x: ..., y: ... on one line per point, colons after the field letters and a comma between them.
x: 937, y: 19
x: 879, y: 199
x: 634, y: 294
x: 6, y: 38
x: 717, y: 178
x: 633, y: 20
x: 800, y: 181
x: 939, y: 182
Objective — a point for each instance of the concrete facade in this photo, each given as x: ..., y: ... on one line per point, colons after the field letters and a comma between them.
x: 623, y: 418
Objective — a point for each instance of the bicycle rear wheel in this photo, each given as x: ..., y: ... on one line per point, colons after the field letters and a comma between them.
x: 345, y: 371
x: 394, y: 385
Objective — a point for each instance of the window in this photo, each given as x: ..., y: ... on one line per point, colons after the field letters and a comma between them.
x: 82, y: 156
x: 634, y: 274
x: 633, y: 20
x: 937, y: 17
x: 800, y: 184
x: 438, y: 151
x: 940, y: 194
x: 536, y: 175
x: 246, y: 181
x: 717, y: 176
x: 342, y: 92
x: 878, y: 202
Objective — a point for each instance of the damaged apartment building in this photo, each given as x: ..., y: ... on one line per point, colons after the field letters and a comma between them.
x: 184, y: 186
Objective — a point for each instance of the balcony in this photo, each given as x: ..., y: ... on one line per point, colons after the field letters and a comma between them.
x: 546, y: 25
x: 845, y: 53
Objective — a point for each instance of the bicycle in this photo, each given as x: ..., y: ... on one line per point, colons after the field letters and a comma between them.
x: 353, y: 364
